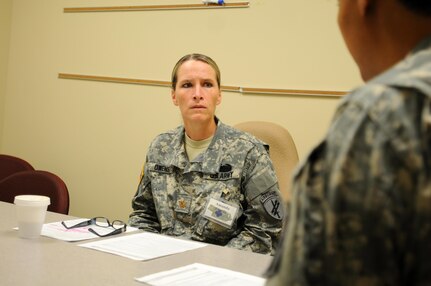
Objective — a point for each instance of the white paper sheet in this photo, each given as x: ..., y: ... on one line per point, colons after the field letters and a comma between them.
x: 143, y: 246
x: 201, y: 275
x: 58, y: 231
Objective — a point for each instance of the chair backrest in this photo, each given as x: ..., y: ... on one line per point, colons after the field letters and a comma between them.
x: 10, y: 164
x: 282, y: 150
x: 36, y: 183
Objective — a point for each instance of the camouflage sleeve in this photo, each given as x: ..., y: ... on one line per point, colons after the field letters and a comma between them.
x: 144, y: 214
x: 354, y: 209
x: 262, y: 225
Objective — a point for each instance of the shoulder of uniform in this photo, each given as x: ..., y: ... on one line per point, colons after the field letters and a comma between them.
x: 168, y: 136
x: 165, y: 145
x: 244, y: 137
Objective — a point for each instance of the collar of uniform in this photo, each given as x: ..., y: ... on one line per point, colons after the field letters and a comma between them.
x: 423, y: 44
x: 211, y: 159
x: 179, y: 156
x: 399, y: 75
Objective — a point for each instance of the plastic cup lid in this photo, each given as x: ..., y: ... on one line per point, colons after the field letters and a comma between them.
x: 32, y: 200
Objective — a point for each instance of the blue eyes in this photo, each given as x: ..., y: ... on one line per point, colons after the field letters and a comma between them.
x: 205, y: 84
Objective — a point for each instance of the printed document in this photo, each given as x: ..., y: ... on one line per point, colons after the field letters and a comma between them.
x: 201, y: 275
x: 143, y: 246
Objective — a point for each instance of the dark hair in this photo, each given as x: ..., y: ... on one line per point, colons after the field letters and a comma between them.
x: 194, y: 57
x: 420, y: 7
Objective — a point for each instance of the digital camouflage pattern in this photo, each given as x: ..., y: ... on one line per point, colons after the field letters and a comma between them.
x: 236, y: 170
x: 361, y: 209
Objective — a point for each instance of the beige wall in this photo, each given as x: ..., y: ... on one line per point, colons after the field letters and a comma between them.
x: 94, y: 135
x: 5, y: 24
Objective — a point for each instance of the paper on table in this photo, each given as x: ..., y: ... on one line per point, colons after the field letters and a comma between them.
x: 58, y: 231
x: 143, y: 246
x: 202, y: 275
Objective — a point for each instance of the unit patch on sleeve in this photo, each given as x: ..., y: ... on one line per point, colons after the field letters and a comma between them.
x: 272, y: 205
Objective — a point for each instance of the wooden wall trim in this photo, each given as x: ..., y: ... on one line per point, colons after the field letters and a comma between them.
x: 243, y: 90
x: 156, y: 7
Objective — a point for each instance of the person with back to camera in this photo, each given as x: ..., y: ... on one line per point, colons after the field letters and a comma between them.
x: 361, y: 208
x: 204, y: 180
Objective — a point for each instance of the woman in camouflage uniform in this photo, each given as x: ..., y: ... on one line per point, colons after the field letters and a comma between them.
x: 204, y: 180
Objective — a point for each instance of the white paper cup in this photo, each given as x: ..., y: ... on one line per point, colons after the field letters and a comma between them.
x: 30, y: 214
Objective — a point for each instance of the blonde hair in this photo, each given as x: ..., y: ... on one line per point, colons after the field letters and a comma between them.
x: 194, y: 57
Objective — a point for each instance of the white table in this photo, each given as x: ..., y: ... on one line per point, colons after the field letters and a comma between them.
x: 46, y: 261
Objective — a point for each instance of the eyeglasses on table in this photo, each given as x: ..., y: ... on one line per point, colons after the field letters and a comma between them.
x: 118, y: 225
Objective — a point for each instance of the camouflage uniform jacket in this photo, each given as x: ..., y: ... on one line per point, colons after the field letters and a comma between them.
x: 361, y: 208
x: 234, y: 172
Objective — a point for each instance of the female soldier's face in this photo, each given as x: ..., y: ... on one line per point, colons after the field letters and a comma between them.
x: 196, y: 93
